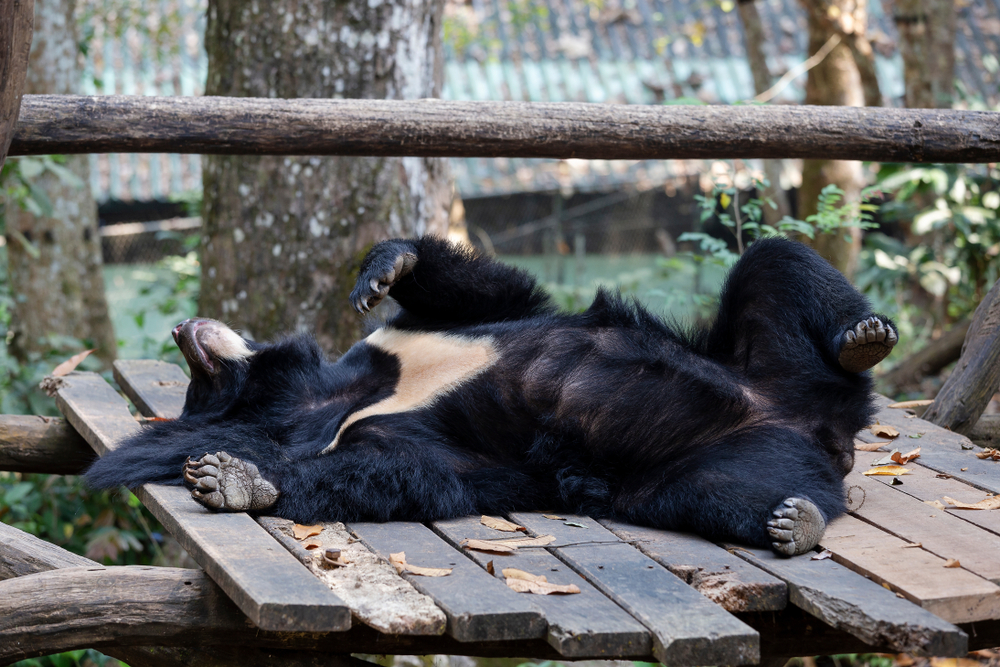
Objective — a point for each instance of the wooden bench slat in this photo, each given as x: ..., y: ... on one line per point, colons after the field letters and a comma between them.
x: 940, y: 449
x: 938, y: 531
x: 847, y: 601
x: 156, y: 388
x: 723, y: 578
x: 272, y: 588
x: 687, y: 628
x: 587, y: 624
x: 954, y: 594
x: 478, y: 607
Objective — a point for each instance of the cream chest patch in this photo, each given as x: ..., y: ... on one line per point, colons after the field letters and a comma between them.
x: 430, y: 364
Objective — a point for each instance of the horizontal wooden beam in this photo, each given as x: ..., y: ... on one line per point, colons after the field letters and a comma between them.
x: 439, y: 128
x: 29, y: 443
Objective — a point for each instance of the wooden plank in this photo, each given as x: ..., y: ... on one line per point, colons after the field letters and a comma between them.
x: 264, y: 580
x: 478, y: 607
x: 940, y: 533
x: 156, y: 388
x: 49, y: 445
x: 587, y: 624
x: 687, y: 628
x: 16, y: 22
x: 954, y: 594
x: 849, y: 602
x: 22, y: 554
x: 940, y: 449
x: 723, y: 578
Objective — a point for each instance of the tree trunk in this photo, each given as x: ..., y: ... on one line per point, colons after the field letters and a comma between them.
x: 61, y: 292
x: 284, y: 236
x: 927, y: 45
x: 754, y: 40
x: 834, y: 81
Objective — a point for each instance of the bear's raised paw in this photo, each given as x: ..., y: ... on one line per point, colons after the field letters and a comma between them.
x: 865, y: 344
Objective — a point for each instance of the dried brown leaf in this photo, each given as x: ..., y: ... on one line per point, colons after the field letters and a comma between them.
x: 554, y: 517
x: 520, y: 542
x: 514, y: 573
x: 489, y: 546
x: 988, y: 503
x: 497, y: 523
x: 952, y: 562
x: 885, y: 460
x: 398, y: 561
x: 869, y: 446
x: 903, y: 459
x: 490, y: 569
x: 302, y: 532
x: 309, y: 545
x: 883, y: 431
x: 936, y: 504
x: 70, y: 364
x: 540, y: 587
x: 823, y: 555
x: 903, y: 405
x: 886, y: 470
x: 915, y: 545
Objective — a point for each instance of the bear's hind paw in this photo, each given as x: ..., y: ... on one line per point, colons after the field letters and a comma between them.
x: 227, y: 484
x: 865, y: 344
x: 796, y: 528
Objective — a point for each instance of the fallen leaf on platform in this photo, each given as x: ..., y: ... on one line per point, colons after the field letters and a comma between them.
x: 886, y: 470
x: 574, y: 524
x: 521, y: 542
x: 823, y: 555
x: 964, y: 469
x: 302, y: 532
x: 904, y: 660
x: 501, y: 524
x: 990, y: 503
x: 952, y: 562
x: 554, y: 517
x: 869, y: 446
x: 955, y: 662
x: 903, y: 405
x: 915, y: 545
x: 989, y: 453
x: 942, y: 475
x: 399, y: 562
x: 490, y: 569
x: 936, y: 504
x: 916, y: 435
x: 67, y: 366
x: 882, y: 431
x: 903, y: 459
x: 489, y: 546
x: 312, y: 544
x: 985, y: 653
x: 886, y: 460
x: 896, y: 482
x: 966, y: 446
x: 514, y: 573
x: 541, y: 588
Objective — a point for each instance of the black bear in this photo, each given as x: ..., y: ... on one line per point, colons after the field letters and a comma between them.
x: 478, y: 397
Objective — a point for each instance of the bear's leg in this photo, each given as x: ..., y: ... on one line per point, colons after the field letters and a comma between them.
x: 436, y: 282
x: 765, y: 486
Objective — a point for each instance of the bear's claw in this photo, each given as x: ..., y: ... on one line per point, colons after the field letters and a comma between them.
x: 226, y: 483
x: 374, y: 281
x: 865, y: 344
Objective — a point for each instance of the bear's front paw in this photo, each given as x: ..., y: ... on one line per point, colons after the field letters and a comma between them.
x: 228, y: 484
x: 386, y: 264
x: 865, y: 344
x: 796, y: 528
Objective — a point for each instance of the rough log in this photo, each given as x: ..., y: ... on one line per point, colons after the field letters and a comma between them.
x: 438, y: 128
x: 926, y: 361
x: 42, y: 444
x: 16, y: 21
x: 969, y: 388
x: 23, y: 554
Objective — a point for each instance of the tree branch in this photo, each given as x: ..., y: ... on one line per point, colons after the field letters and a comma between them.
x: 42, y: 444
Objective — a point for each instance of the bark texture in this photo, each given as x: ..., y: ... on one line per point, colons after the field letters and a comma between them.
x: 927, y: 45
x: 60, y: 293
x: 927, y: 361
x: 437, y: 128
x: 283, y: 236
x: 16, y: 18
x: 834, y: 81
x: 754, y: 40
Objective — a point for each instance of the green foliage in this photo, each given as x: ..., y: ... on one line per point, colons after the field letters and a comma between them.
x: 19, y: 187
x: 82, y: 658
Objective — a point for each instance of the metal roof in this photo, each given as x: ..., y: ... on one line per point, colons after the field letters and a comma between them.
x: 610, y: 51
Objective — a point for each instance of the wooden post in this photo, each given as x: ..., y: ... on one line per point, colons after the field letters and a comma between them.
x: 16, y: 21
x: 969, y: 388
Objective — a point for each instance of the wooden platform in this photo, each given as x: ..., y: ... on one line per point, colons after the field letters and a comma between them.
x: 891, y: 583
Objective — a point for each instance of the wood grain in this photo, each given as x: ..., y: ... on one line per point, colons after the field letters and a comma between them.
x: 22, y: 554
x: 438, y: 128
x: 840, y: 598
x: 42, y: 444
x: 723, y: 578
x: 954, y: 594
x: 156, y: 388
x: 687, y: 627
x: 266, y: 582
x: 584, y: 624
x: 16, y: 21
x: 478, y: 606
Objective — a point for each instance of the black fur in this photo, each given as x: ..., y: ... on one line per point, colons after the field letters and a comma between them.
x: 610, y: 412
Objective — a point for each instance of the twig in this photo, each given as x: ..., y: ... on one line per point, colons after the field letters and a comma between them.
x: 799, y: 70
